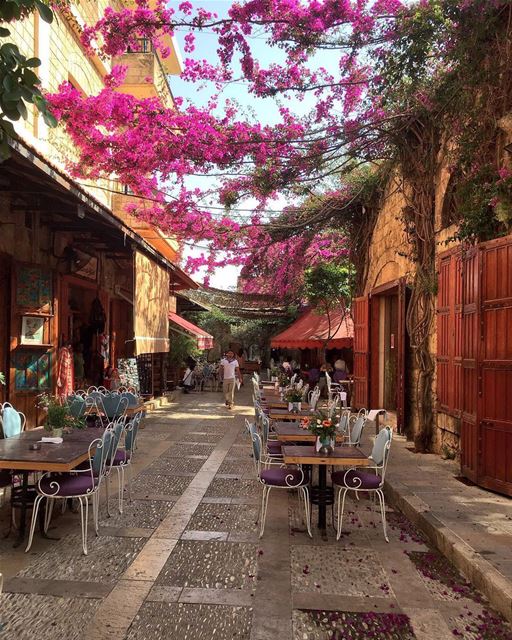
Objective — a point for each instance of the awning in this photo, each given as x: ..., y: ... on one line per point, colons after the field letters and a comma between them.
x: 204, y: 339
x: 150, y: 306
x: 311, y: 329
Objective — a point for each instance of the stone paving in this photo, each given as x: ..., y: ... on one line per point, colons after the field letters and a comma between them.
x: 184, y: 560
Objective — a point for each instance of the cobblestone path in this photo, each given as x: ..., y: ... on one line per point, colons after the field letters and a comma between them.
x: 184, y: 561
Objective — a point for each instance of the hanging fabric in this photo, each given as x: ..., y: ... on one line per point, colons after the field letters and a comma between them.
x: 65, y: 373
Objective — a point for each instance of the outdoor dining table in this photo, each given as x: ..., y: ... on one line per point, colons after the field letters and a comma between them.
x: 16, y: 454
x: 290, y: 432
x: 283, y: 404
x: 323, y: 495
x: 284, y: 414
x: 134, y: 409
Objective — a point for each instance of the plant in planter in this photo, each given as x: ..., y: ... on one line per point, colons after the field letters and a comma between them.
x: 293, y: 396
x: 274, y: 374
x: 324, y: 428
x: 58, y: 418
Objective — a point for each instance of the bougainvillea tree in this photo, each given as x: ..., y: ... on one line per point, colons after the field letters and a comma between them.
x: 407, y: 85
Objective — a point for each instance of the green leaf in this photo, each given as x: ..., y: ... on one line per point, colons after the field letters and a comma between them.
x: 4, y: 32
x: 12, y: 96
x: 44, y: 11
x: 50, y: 120
x: 29, y: 77
x: 32, y: 62
x: 8, y: 127
x: 22, y: 109
x: 10, y: 50
x: 8, y: 82
x: 39, y: 101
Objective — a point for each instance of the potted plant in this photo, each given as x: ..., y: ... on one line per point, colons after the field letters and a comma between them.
x: 294, y: 398
x: 58, y: 418
x: 324, y: 429
x: 283, y: 381
x: 274, y: 374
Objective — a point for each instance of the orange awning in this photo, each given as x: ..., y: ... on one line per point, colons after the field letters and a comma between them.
x: 311, y: 329
x: 204, y: 339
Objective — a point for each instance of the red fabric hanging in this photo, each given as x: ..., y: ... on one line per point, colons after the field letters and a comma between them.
x: 65, y: 373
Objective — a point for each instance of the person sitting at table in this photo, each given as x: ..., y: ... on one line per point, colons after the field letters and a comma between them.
x: 314, y: 376
x: 340, y: 375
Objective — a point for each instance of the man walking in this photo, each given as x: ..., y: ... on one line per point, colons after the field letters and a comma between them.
x: 229, y: 373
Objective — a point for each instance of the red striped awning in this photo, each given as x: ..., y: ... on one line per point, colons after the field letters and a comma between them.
x: 312, y: 329
x: 204, y: 339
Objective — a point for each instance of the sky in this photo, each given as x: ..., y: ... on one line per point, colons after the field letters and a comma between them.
x: 264, y: 110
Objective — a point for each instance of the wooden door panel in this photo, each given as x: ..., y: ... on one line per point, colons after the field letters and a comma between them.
x: 495, y: 367
x: 401, y: 372
x: 449, y: 333
x: 361, y: 352
x: 468, y: 448
x: 469, y: 363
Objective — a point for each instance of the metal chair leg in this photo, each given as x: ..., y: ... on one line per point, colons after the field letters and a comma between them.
x: 35, y: 510
x: 383, y: 513
x: 84, y: 519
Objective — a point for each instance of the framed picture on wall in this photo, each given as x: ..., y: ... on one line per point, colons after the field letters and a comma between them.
x: 32, y: 330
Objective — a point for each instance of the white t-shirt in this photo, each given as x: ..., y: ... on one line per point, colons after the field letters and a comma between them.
x: 229, y: 368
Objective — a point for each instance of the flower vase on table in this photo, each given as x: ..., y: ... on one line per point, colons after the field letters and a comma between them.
x: 324, y: 445
x: 293, y: 396
x: 323, y: 427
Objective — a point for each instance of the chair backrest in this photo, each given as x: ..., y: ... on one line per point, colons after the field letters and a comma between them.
x: 333, y: 408
x: 293, y: 378
x: 133, y: 400
x: 305, y: 391
x: 12, y: 421
x: 299, y: 384
x: 344, y: 421
x: 265, y: 427
x: 131, y: 432
x: 102, y: 448
x: 363, y: 413
x: 113, y: 405
x: 76, y: 405
x: 313, y: 398
x: 380, y: 450
x: 357, y: 431
x: 256, y: 447
x: 328, y: 380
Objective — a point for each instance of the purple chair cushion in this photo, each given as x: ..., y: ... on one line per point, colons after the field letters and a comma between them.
x: 69, y: 485
x: 356, y: 479
x: 121, y: 457
x: 283, y: 477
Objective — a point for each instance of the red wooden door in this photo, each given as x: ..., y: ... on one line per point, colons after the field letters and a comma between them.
x: 449, y: 334
x: 470, y: 352
x: 361, y: 352
x: 401, y: 348
x: 495, y: 367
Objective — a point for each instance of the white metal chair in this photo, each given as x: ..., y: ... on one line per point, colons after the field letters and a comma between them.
x: 124, y: 457
x: 273, y: 475
x: 364, y: 480
x: 313, y: 398
x: 80, y: 483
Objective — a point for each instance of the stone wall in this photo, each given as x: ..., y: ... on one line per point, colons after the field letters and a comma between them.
x: 389, y: 261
